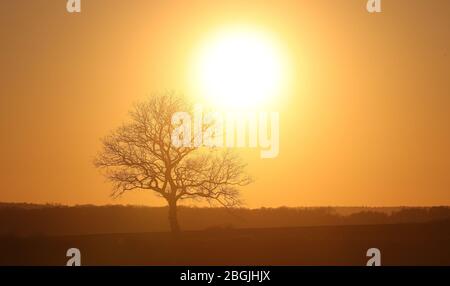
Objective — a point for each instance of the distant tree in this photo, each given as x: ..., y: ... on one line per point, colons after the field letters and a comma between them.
x: 140, y: 155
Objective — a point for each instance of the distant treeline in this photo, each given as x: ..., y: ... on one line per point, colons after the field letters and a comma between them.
x: 27, y: 219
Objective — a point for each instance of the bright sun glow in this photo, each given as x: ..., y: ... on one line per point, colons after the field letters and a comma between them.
x: 240, y: 69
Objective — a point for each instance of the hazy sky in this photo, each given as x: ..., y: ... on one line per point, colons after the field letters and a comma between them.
x: 364, y: 120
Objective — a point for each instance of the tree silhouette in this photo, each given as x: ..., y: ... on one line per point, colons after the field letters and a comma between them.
x: 140, y: 155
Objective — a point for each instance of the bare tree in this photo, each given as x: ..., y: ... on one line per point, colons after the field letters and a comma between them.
x: 140, y: 155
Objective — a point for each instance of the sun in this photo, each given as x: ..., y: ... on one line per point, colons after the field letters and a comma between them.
x: 240, y: 68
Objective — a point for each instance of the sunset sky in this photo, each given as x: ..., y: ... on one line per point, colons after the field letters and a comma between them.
x: 364, y: 99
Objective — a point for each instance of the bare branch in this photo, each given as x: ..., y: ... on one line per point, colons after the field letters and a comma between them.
x: 140, y: 155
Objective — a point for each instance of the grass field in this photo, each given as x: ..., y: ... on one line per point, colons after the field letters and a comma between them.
x: 400, y: 244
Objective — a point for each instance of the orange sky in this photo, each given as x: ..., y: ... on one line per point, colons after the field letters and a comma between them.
x: 365, y: 120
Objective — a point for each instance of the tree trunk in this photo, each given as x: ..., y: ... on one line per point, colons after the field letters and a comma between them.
x: 173, y: 218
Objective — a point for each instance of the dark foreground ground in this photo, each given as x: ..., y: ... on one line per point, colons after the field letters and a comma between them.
x: 400, y: 244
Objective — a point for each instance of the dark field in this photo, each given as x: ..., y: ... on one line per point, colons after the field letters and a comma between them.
x: 400, y: 244
x: 129, y: 235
